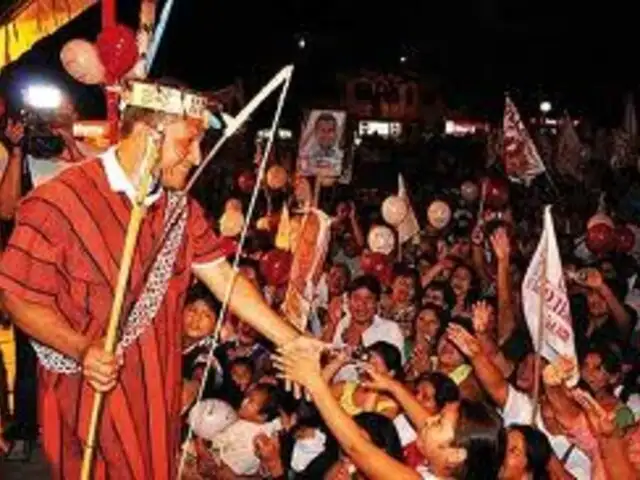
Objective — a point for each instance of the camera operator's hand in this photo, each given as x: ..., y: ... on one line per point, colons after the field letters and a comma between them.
x: 14, y: 131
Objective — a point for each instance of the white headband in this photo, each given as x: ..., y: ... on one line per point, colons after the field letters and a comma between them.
x: 170, y: 100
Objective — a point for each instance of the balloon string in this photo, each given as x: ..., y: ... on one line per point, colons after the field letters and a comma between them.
x: 236, y: 261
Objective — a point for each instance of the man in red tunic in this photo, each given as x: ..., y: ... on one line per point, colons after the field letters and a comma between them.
x: 58, y: 275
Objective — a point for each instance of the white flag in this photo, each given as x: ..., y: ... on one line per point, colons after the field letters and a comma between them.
x: 544, y: 282
x: 409, y: 226
x: 569, y: 153
x: 522, y: 162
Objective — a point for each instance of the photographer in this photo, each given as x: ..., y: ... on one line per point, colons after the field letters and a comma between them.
x: 50, y: 145
x: 11, y: 138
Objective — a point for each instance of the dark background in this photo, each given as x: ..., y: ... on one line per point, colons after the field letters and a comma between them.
x: 582, y: 57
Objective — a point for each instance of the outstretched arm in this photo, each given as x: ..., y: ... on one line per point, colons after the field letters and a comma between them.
x: 304, y: 367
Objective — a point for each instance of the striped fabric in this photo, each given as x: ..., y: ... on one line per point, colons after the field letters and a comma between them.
x: 64, y: 253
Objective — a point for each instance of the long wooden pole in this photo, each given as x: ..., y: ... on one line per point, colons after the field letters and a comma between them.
x: 537, y: 367
x: 137, y: 214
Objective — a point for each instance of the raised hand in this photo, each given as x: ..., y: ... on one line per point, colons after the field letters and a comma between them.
x: 14, y: 131
x: 335, y: 310
x: 501, y: 244
x: 267, y: 449
x: 419, y: 362
x: 590, y: 277
x: 467, y: 343
x: 558, y: 372
x: 602, y: 423
x: 482, y: 312
x: 377, y: 381
x: 352, y: 210
x: 299, y: 362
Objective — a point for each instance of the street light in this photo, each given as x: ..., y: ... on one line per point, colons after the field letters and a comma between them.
x: 302, y: 43
x: 403, y: 59
x: 545, y: 107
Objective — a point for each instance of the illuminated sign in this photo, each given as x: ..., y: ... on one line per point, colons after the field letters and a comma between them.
x: 380, y: 128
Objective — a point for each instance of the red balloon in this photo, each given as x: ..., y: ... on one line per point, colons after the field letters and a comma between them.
x: 118, y: 50
x: 496, y: 192
x: 378, y: 265
x: 367, y: 260
x: 275, y: 266
x: 246, y: 181
x: 625, y: 239
x: 600, y: 238
x: 384, y: 273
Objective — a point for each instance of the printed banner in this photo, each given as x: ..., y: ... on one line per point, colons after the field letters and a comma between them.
x: 311, y: 244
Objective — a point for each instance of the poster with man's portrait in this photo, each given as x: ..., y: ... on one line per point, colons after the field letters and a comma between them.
x: 321, y: 152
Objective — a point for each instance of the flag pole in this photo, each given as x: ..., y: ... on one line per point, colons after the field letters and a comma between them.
x: 537, y: 366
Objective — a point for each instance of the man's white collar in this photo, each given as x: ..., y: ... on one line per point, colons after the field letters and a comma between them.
x: 118, y: 179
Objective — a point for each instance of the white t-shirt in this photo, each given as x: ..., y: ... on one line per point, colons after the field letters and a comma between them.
x: 381, y: 330
x: 518, y: 410
x: 406, y: 432
x: 234, y: 445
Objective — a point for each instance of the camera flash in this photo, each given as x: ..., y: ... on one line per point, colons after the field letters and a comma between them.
x: 45, y: 97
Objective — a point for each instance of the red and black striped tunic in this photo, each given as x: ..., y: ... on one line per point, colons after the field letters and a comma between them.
x: 65, y: 253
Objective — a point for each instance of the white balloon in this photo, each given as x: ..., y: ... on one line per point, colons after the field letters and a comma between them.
x: 394, y: 210
x: 381, y: 239
x: 209, y: 417
x: 439, y: 214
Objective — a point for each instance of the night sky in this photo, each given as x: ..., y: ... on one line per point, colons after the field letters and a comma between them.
x: 583, y: 57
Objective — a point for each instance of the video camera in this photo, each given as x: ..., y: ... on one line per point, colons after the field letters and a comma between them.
x: 40, y: 117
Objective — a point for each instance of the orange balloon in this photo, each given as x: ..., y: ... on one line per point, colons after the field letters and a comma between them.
x: 276, y: 177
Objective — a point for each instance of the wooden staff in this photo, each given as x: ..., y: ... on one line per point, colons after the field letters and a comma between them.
x: 137, y: 214
x: 537, y: 367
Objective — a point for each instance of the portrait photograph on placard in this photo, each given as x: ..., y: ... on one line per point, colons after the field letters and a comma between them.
x: 321, y: 152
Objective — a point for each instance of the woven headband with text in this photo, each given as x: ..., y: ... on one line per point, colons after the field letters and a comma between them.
x: 170, y: 100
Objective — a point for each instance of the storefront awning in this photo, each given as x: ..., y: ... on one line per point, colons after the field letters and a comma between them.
x: 24, y: 22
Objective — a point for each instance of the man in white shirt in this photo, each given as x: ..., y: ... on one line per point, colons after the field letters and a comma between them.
x: 361, y: 326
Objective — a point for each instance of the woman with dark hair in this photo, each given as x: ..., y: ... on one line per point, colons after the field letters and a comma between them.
x: 525, y: 453
x: 434, y: 391
x: 465, y: 285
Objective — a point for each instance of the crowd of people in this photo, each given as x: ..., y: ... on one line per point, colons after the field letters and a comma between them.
x: 429, y: 372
